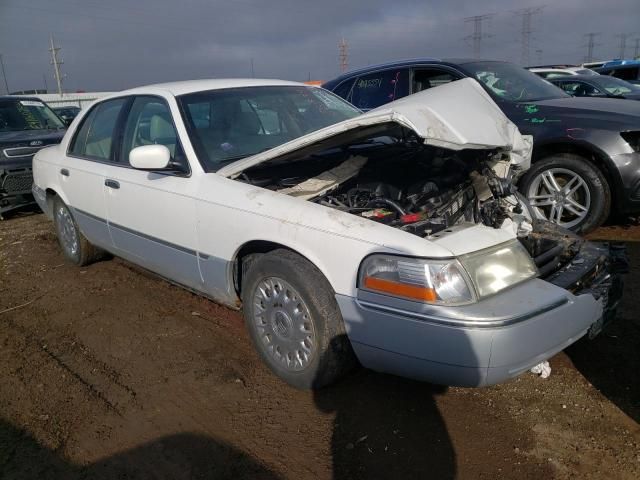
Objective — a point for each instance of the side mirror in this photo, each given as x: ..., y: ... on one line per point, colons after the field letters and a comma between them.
x: 150, y: 157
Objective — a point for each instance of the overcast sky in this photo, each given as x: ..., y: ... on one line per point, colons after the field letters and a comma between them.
x: 117, y: 44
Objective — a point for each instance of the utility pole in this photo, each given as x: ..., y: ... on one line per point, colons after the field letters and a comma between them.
x: 44, y: 77
x: 591, y: 44
x: 477, y: 36
x: 4, y: 74
x: 343, y: 48
x: 56, y: 65
x: 527, y: 29
x: 636, y: 50
x: 253, y: 75
x: 623, y: 43
x: 539, y: 56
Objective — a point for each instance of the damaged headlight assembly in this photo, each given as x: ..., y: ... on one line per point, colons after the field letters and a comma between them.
x: 457, y: 281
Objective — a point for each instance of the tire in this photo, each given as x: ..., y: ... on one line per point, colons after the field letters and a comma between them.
x: 298, y: 330
x: 581, y: 211
x: 75, y: 246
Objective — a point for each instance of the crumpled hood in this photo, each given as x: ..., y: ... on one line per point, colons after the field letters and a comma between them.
x: 459, y: 115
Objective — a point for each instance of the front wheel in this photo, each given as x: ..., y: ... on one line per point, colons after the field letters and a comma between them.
x: 569, y: 191
x: 294, y: 320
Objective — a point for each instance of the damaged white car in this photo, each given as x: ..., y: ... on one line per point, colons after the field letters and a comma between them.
x: 393, y: 238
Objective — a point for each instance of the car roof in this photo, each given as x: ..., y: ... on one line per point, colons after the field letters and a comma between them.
x: 192, y: 86
x: 20, y: 97
x: 407, y: 63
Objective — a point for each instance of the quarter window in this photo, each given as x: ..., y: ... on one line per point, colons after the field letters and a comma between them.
x: 150, y: 123
x: 95, y: 136
x: 371, y: 91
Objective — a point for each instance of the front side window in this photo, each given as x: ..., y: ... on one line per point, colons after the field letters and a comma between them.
x: 17, y: 115
x: 149, y: 123
x: 423, y: 79
x: 95, y: 137
x: 371, y: 91
x: 231, y: 124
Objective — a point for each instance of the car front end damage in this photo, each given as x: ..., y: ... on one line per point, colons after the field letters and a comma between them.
x: 513, y: 292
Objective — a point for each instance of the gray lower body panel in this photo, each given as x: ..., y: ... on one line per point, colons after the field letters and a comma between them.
x: 391, y: 342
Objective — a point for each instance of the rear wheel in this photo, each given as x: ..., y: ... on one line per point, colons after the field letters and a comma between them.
x: 74, y: 245
x: 569, y: 191
x: 294, y: 320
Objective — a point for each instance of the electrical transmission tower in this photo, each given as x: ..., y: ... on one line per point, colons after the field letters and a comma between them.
x: 56, y: 65
x: 591, y: 44
x: 527, y: 29
x: 477, y: 36
x: 343, y: 48
x: 623, y: 43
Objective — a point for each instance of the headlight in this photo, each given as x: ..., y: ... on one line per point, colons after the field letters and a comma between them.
x: 448, y: 282
x: 440, y: 282
x: 499, y: 267
x: 633, y: 139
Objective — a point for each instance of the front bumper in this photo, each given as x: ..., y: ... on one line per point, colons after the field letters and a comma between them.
x: 481, y: 344
x: 15, y: 187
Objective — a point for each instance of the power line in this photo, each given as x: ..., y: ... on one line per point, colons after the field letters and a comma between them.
x: 343, y: 51
x: 56, y: 65
x: 4, y: 74
x: 477, y: 36
x: 591, y: 44
x: 527, y: 29
x: 623, y: 43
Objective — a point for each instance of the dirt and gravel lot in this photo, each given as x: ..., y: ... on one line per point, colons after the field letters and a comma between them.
x: 109, y: 372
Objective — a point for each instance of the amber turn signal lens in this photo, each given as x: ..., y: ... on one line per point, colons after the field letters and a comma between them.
x: 400, y: 289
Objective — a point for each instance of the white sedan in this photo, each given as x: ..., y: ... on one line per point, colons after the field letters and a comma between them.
x: 393, y: 238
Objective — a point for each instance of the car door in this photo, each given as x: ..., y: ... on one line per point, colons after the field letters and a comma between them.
x: 82, y: 174
x: 152, y: 214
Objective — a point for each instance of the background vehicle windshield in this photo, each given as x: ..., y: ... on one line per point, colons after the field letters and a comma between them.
x: 615, y: 86
x: 510, y: 82
x: 227, y: 125
x: 16, y: 115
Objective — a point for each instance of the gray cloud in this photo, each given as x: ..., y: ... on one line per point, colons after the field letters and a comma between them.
x: 108, y: 45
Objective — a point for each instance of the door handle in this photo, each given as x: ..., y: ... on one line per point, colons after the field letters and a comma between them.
x: 64, y: 172
x: 112, y: 184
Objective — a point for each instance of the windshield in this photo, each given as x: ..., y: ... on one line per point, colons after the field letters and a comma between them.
x: 507, y: 81
x: 17, y: 115
x: 231, y: 124
x: 615, y: 86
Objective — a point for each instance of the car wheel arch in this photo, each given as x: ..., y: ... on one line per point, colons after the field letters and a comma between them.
x: 590, y: 152
x: 253, y: 248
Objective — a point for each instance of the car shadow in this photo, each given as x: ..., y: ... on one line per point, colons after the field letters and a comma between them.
x: 386, y: 427
x: 611, y: 361
x: 181, y: 456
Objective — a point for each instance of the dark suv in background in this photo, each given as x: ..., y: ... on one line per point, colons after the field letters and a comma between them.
x: 586, y: 157
x: 26, y: 125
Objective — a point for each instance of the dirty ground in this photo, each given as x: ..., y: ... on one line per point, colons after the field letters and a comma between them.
x: 109, y: 372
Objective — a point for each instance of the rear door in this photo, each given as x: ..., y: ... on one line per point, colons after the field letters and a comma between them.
x: 82, y: 173
x: 152, y: 214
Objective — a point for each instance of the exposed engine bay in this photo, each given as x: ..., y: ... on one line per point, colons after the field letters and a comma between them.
x: 402, y: 183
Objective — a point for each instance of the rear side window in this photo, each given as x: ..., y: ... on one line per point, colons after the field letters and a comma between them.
x: 344, y: 89
x: 95, y: 137
x: 371, y: 91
